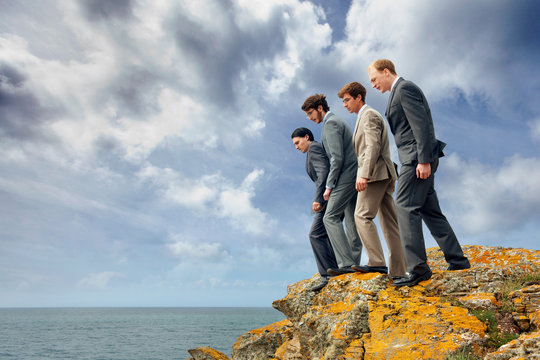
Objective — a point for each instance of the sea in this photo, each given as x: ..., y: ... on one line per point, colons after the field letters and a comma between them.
x: 124, y: 333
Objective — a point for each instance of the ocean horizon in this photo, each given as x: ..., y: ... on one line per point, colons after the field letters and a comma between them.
x: 122, y: 333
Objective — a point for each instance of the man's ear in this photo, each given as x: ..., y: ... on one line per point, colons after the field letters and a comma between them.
x: 319, y: 108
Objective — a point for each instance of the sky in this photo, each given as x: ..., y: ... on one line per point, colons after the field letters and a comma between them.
x: 145, y: 150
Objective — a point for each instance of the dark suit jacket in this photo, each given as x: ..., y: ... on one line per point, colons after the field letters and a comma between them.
x: 336, y: 139
x: 317, y: 167
x: 410, y: 121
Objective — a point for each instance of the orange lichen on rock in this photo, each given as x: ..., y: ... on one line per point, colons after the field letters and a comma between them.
x: 480, y: 301
x: 409, y: 325
x: 207, y: 353
x: 362, y: 316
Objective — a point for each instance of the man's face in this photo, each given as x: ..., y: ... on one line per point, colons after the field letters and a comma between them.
x: 301, y: 143
x: 380, y: 80
x: 315, y: 115
x: 352, y: 104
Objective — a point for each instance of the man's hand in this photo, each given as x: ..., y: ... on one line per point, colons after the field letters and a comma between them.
x: 326, y: 194
x: 361, y: 184
x: 317, y: 207
x: 423, y: 171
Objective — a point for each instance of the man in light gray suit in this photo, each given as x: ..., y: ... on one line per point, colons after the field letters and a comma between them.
x: 410, y: 121
x: 317, y: 167
x: 340, y: 190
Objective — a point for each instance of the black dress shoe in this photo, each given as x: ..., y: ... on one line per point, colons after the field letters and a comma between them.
x: 412, y: 279
x: 453, y: 267
x: 319, y: 286
x: 340, y: 271
x: 370, y: 269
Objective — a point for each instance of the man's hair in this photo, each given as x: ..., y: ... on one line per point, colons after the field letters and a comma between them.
x: 382, y: 64
x: 302, y: 132
x: 314, y: 101
x: 354, y: 89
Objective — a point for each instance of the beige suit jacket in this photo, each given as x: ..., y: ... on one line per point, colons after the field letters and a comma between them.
x: 372, y: 147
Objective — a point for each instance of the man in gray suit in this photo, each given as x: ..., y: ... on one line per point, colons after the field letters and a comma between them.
x: 317, y: 167
x: 410, y: 121
x: 340, y: 190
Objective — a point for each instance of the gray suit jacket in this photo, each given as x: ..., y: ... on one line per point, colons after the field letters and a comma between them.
x: 317, y: 167
x: 336, y: 138
x: 371, y: 145
x: 410, y: 121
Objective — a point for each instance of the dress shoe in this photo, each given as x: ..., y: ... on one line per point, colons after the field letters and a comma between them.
x: 340, y: 271
x: 319, y: 286
x: 370, y: 269
x: 412, y: 279
x: 453, y: 267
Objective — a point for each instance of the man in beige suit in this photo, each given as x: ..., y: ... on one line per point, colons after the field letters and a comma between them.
x: 375, y: 182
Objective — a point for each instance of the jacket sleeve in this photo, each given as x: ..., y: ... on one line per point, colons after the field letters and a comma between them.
x: 418, y: 117
x: 334, y: 149
x: 319, y: 163
x: 372, y: 128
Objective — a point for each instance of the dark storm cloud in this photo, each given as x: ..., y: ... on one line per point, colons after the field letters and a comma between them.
x: 221, y: 56
x: 107, y: 9
x: 134, y: 92
x: 21, y: 114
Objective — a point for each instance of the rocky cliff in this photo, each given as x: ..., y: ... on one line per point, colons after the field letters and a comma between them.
x: 491, y: 311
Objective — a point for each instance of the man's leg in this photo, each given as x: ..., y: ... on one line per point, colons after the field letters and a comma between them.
x: 337, y: 203
x: 440, y: 228
x: 322, y: 249
x: 367, y: 206
x: 410, y: 197
x: 390, y: 229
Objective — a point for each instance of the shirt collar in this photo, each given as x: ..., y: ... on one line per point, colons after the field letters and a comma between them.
x: 394, y: 83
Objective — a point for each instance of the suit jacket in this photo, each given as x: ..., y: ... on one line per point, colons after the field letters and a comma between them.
x: 372, y: 148
x: 317, y: 167
x: 336, y: 138
x: 410, y: 120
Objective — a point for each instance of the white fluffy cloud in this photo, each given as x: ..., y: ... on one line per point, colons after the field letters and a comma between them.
x: 213, y: 194
x: 490, y: 199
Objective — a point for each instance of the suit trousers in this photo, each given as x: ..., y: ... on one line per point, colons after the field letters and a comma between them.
x: 416, y: 200
x: 320, y: 243
x: 377, y: 199
x: 347, y: 246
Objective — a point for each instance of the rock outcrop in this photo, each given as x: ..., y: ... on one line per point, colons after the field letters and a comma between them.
x: 362, y: 316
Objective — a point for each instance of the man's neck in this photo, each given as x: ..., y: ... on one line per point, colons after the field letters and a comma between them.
x: 361, y: 105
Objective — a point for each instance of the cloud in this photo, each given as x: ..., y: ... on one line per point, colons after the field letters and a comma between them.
x: 213, y: 194
x: 422, y: 40
x: 197, y: 252
x: 492, y: 199
x: 99, y: 280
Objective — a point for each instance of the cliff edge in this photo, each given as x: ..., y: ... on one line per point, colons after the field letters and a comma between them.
x: 490, y: 311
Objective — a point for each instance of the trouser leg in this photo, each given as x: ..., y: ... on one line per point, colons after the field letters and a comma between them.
x: 320, y: 243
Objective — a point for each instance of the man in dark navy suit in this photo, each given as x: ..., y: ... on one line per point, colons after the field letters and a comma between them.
x: 317, y: 167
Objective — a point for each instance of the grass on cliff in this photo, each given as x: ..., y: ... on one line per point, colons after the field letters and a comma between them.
x: 464, y: 354
x: 516, y: 283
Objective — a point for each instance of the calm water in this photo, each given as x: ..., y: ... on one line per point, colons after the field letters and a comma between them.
x: 124, y: 333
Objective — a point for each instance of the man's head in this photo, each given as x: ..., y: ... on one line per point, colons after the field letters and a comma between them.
x: 353, y: 96
x: 382, y: 74
x: 316, y: 107
x: 301, y: 139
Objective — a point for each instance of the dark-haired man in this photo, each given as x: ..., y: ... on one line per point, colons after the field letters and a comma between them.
x: 375, y: 182
x: 317, y: 167
x: 336, y: 138
x: 419, y: 150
